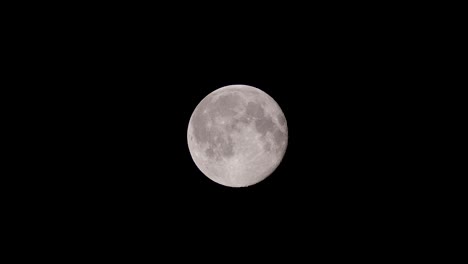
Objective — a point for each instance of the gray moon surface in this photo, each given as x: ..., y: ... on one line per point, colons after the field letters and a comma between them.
x: 237, y: 135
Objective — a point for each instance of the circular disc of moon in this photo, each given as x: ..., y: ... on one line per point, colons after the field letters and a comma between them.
x: 237, y: 135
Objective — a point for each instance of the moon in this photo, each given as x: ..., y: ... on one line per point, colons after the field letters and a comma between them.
x: 237, y: 135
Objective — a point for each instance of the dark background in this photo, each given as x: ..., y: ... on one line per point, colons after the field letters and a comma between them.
x: 122, y: 87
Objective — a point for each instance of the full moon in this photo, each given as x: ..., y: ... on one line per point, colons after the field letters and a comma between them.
x: 237, y: 135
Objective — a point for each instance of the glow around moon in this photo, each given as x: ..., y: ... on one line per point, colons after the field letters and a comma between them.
x: 237, y: 135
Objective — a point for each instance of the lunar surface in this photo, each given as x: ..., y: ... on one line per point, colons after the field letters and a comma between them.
x: 237, y: 135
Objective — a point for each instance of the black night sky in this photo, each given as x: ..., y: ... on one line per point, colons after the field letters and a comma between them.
x: 125, y: 92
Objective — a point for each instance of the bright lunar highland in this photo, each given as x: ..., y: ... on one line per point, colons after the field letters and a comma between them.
x: 237, y: 135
